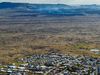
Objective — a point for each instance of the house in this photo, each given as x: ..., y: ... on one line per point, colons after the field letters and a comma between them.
x: 96, y: 51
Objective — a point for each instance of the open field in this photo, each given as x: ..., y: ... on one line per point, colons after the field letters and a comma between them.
x: 25, y: 35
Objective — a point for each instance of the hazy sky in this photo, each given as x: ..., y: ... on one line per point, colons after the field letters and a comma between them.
x: 56, y: 1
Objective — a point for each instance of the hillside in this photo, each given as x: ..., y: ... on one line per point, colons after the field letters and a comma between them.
x: 50, y: 9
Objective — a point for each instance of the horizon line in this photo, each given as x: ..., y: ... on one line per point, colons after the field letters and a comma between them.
x: 49, y: 3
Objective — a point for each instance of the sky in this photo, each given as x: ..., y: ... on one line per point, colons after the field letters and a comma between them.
x: 70, y: 2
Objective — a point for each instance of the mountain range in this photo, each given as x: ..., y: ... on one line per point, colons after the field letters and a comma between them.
x: 51, y: 9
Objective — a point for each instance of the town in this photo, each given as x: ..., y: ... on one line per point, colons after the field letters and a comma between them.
x: 49, y: 37
x: 53, y: 64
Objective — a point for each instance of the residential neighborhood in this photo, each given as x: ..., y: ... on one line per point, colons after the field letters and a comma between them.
x: 53, y: 64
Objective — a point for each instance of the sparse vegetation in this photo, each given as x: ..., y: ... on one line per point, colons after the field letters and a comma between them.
x: 24, y: 36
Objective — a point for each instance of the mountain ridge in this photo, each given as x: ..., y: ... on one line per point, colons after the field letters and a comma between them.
x: 53, y: 9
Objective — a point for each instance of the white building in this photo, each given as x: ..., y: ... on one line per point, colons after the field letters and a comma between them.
x: 96, y: 51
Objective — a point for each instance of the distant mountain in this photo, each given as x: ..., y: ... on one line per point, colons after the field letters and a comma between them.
x: 51, y: 9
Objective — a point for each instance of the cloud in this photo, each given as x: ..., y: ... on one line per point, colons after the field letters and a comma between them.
x: 56, y: 1
x: 85, y: 2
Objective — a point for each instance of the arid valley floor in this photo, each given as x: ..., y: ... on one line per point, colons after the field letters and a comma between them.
x: 37, y: 42
x: 49, y: 39
x: 27, y: 35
